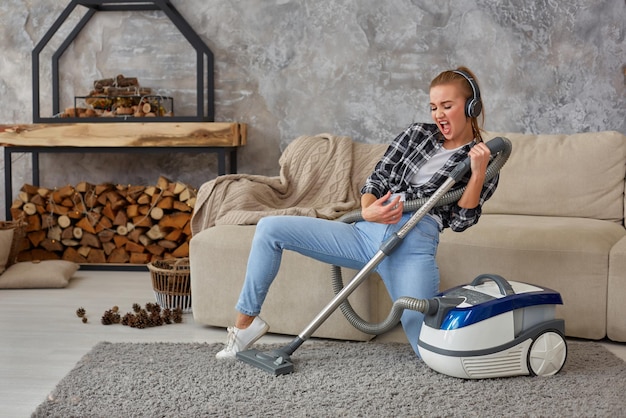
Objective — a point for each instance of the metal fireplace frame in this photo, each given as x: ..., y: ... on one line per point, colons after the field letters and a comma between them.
x: 205, y: 112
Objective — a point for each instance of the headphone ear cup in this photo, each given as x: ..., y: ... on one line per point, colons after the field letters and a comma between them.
x: 473, y: 107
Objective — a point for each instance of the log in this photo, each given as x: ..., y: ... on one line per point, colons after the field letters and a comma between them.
x: 71, y: 254
x: 30, y: 208
x: 133, y: 247
x: 36, y: 237
x: 180, y: 206
x: 106, y: 235
x: 64, y: 221
x: 108, y: 247
x: 86, y: 225
x: 132, y: 211
x: 175, y: 220
x: 156, y: 213
x: 55, y: 233
x: 84, y: 187
x: 155, y: 233
x: 155, y: 249
x: 120, y: 241
x: 96, y: 256
x: 166, y: 203
x: 77, y: 232
x: 90, y: 240
x: 118, y: 256
x: 84, y: 251
x: 103, y: 224
x: 139, y: 258
x: 51, y: 245
x: 142, y: 221
x: 33, y: 223
x: 121, y: 218
x: 181, y: 251
x: 67, y: 233
x: 48, y: 220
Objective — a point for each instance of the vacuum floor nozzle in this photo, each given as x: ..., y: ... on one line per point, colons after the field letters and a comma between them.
x: 275, y: 362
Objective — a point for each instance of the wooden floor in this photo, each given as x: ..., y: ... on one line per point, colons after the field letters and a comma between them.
x: 41, y: 338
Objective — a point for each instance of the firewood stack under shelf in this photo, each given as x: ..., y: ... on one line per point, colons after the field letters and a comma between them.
x: 106, y: 223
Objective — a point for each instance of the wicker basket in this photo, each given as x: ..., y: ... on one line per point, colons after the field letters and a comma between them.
x: 171, y: 283
x: 19, y: 232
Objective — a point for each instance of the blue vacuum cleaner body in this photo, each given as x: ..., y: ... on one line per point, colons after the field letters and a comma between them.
x: 494, y: 328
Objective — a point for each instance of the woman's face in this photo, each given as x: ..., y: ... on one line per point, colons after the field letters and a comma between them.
x: 447, y: 106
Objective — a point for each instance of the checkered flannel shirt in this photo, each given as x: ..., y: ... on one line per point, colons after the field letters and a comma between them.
x: 404, y: 157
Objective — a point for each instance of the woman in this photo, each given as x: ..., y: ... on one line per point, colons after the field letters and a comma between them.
x: 414, y: 166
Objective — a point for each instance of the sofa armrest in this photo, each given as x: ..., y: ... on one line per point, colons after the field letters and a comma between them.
x: 616, y: 307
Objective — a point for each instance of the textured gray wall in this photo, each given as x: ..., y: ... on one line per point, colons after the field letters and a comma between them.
x: 352, y: 67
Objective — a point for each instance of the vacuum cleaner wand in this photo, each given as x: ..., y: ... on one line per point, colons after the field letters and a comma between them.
x: 278, y: 362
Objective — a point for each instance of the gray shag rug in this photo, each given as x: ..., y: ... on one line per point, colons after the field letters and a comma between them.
x: 331, y: 379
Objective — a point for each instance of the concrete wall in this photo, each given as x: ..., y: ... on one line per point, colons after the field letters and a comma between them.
x: 353, y: 67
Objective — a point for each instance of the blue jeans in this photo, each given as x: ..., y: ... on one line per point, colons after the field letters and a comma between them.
x: 410, y: 270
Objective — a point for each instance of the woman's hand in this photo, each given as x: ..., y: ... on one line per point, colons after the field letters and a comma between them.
x: 479, y: 157
x: 380, y: 210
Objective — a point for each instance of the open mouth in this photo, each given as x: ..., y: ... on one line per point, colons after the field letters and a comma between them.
x: 445, y: 127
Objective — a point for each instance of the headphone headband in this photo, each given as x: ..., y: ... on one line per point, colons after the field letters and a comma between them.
x: 473, y: 105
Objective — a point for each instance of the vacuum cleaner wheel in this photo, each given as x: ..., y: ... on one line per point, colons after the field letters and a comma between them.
x: 547, y: 354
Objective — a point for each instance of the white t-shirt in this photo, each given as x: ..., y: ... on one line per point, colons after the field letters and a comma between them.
x: 430, y: 168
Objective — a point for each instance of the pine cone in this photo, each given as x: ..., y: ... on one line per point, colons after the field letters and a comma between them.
x: 80, y: 312
x: 141, y: 319
x: 155, y: 319
x: 177, y: 315
x: 107, y: 318
x: 167, y: 316
x: 127, y: 319
x: 136, y: 307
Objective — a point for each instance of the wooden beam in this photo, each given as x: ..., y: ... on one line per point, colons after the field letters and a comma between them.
x: 125, y: 134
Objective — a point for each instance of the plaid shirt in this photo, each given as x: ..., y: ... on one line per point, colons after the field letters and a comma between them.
x: 404, y: 157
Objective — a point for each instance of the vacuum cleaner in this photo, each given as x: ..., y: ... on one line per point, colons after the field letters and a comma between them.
x: 494, y: 328
x: 279, y: 362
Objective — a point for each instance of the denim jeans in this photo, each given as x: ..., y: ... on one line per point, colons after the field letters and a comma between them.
x: 410, y: 270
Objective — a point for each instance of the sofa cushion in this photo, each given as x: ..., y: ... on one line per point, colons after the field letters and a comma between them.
x: 569, y: 255
x: 580, y: 175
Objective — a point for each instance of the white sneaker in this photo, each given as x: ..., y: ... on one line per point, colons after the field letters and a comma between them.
x: 242, y: 339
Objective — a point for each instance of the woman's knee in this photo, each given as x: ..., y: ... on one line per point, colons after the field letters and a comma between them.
x: 266, y: 227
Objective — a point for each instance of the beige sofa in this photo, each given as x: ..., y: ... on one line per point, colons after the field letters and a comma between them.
x: 556, y: 220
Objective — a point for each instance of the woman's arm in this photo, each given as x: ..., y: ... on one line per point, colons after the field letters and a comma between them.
x: 479, y: 155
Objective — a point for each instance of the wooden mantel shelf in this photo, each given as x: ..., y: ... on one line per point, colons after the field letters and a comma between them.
x: 125, y: 134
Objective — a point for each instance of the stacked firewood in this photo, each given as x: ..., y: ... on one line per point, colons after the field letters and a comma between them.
x: 120, y: 96
x: 106, y: 223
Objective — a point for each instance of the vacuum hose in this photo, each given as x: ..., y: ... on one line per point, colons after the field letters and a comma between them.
x: 421, y: 305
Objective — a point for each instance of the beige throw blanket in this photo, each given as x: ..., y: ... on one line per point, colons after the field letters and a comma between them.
x: 320, y: 176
